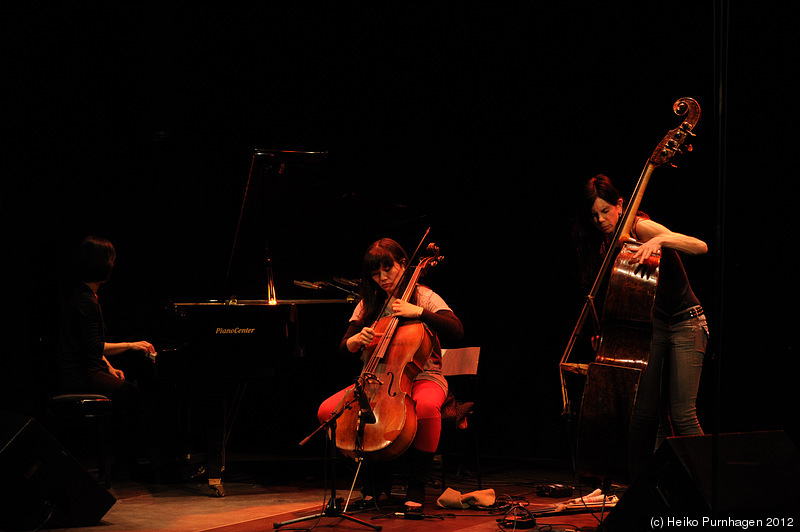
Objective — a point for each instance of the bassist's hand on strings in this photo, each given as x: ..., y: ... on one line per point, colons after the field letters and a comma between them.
x: 655, y: 236
x: 647, y: 249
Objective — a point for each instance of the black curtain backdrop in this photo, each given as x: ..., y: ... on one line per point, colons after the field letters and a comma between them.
x: 477, y: 120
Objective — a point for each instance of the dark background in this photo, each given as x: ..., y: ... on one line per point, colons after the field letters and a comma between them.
x: 478, y: 121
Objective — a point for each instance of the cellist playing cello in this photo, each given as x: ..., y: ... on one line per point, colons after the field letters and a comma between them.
x: 382, y: 274
x: 667, y: 396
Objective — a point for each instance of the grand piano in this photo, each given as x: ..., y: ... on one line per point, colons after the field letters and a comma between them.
x: 244, y: 340
x: 264, y: 354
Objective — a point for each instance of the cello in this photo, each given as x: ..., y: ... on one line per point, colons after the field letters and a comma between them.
x: 384, y: 425
x: 612, y: 379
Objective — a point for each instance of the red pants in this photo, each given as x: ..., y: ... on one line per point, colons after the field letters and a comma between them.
x: 428, y: 397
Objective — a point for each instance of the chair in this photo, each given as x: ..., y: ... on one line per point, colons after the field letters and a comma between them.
x: 85, y: 411
x: 460, y: 367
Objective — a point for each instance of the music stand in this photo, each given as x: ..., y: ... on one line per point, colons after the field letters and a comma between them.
x: 332, y: 508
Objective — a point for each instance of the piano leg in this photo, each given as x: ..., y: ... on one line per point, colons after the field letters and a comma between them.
x: 206, y: 405
x: 216, y: 434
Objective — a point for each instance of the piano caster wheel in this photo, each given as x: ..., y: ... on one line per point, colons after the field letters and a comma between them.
x: 216, y: 487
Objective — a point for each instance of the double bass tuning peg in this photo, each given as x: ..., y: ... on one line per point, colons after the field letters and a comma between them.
x: 687, y: 147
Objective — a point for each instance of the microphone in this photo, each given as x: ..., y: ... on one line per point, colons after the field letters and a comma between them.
x: 367, y: 415
x: 308, y: 284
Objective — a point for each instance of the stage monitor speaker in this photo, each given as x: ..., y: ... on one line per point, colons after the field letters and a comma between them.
x: 41, y: 484
x: 757, y: 478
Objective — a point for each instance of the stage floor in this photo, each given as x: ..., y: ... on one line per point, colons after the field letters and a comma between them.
x: 262, y: 492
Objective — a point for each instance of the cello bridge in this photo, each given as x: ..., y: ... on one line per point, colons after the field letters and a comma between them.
x: 371, y: 377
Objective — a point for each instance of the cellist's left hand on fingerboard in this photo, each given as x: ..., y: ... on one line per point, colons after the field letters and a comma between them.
x: 404, y: 309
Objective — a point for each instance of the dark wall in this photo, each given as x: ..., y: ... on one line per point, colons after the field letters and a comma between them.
x: 477, y: 121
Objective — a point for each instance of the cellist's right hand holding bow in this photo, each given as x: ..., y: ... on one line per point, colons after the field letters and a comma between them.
x: 359, y: 340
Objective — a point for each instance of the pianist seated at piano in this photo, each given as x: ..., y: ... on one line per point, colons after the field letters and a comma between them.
x: 382, y: 278
x: 84, y: 363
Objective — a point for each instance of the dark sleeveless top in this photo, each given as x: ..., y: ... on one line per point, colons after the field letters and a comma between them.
x: 673, y: 293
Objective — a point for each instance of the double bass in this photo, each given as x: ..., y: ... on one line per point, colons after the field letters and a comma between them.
x: 625, y: 330
x: 385, y: 423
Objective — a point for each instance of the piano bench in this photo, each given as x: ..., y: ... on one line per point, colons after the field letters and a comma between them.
x: 76, y: 410
x: 85, y: 405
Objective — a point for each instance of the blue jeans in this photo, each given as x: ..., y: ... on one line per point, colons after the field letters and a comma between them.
x: 666, y: 402
x: 680, y: 349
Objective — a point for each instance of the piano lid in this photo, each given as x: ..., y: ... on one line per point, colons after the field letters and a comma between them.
x: 304, y: 215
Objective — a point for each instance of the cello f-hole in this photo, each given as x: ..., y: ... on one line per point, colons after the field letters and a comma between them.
x: 389, y: 391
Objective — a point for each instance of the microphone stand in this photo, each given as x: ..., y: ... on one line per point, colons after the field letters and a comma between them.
x: 332, y: 507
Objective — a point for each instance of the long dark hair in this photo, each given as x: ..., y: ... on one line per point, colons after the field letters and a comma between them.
x: 380, y: 254
x: 588, y: 240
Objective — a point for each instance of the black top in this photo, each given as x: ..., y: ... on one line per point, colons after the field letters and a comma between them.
x: 674, y: 293
x: 82, y: 337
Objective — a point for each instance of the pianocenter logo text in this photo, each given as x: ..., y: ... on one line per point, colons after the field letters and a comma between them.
x: 237, y: 330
